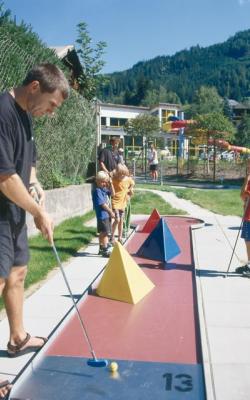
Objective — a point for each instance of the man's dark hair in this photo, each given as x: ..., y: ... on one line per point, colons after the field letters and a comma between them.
x: 114, y: 139
x: 50, y: 78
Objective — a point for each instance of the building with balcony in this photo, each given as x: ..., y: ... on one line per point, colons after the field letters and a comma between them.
x: 238, y: 110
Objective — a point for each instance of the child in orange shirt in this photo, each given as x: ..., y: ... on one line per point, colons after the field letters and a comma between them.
x: 123, y: 187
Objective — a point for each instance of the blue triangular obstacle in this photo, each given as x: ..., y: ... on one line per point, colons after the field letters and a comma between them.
x: 160, y: 245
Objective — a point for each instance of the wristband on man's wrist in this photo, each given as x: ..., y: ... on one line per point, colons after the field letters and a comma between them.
x: 34, y: 192
x: 34, y: 184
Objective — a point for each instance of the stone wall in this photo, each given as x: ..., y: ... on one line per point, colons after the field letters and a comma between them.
x: 65, y: 203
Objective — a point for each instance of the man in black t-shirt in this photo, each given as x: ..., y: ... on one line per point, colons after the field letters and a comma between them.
x: 43, y: 90
x: 109, y: 158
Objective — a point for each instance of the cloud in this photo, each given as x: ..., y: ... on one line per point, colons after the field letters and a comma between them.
x: 243, y: 2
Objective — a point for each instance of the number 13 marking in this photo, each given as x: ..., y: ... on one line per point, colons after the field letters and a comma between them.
x: 185, y: 382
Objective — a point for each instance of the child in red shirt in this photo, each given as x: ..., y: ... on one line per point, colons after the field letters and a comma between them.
x: 245, y: 233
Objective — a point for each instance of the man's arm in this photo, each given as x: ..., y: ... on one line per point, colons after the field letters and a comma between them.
x: 13, y: 188
x: 102, y: 167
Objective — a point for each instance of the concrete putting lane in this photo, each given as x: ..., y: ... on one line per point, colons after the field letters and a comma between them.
x: 155, y: 342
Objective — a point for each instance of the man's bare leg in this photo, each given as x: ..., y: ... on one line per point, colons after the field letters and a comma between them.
x: 4, y: 390
x: 13, y: 295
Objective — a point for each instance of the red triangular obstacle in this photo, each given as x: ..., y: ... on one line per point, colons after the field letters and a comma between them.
x: 151, y: 222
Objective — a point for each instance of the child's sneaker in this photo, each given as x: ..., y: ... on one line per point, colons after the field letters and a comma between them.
x: 244, y: 269
x: 246, y: 274
x: 105, y: 252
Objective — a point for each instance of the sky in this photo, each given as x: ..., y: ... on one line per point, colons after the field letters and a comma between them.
x: 134, y: 30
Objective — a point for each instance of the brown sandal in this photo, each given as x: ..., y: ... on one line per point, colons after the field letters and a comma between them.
x: 18, y: 350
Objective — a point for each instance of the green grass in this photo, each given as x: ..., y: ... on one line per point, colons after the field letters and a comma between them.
x: 220, y: 201
x: 143, y: 202
x: 69, y: 236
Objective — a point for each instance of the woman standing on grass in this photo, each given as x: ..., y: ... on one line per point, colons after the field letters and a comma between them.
x: 153, y: 162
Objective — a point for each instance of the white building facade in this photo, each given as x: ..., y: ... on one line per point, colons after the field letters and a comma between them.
x: 111, y: 118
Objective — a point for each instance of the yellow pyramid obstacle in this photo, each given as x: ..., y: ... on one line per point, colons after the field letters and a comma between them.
x: 123, y: 280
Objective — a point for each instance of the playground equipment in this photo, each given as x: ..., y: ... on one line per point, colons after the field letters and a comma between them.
x: 178, y: 126
x: 227, y: 146
x: 174, y: 126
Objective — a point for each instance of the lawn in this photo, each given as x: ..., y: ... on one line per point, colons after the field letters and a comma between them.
x: 69, y: 236
x: 220, y: 201
x: 143, y: 202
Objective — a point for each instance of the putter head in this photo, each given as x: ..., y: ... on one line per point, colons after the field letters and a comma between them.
x: 94, y: 362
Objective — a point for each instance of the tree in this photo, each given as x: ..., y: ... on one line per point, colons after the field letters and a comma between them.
x: 91, y: 62
x: 242, y: 137
x: 135, y: 97
x: 141, y: 90
x: 5, y: 15
x: 143, y: 125
x: 211, y: 126
x: 206, y: 100
x: 160, y: 95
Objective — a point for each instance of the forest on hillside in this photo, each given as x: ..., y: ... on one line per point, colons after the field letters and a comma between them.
x: 176, y: 78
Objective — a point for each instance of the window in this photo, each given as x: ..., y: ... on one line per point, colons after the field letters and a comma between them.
x: 122, y: 121
x: 103, y: 121
x: 117, y: 121
x: 114, y: 122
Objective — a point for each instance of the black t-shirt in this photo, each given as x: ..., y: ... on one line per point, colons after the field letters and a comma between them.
x: 17, y: 152
x: 109, y: 157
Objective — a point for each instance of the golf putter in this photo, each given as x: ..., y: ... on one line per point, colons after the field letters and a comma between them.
x: 92, y: 362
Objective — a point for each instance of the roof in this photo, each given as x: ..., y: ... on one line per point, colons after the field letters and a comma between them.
x: 122, y: 106
x: 62, y: 51
x: 161, y: 105
x: 236, y: 105
x: 69, y: 56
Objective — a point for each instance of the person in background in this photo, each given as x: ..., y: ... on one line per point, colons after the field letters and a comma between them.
x: 42, y: 91
x: 109, y: 157
x: 104, y: 213
x: 123, y: 187
x: 245, y: 233
x: 153, y: 162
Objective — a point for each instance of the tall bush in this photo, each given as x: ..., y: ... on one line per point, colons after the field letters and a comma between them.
x: 65, y: 141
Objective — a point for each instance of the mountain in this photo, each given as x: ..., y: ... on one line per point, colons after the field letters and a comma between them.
x: 225, y: 66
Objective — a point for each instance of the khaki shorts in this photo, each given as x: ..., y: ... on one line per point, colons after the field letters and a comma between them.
x: 104, y: 226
